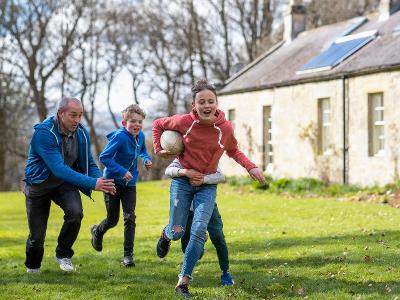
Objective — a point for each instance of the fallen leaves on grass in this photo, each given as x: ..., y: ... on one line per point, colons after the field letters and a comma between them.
x: 298, y: 290
x: 388, y: 289
x: 367, y: 258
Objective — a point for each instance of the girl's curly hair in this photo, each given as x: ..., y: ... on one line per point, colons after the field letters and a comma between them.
x: 202, y: 85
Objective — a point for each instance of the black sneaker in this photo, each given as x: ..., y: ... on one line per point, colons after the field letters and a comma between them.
x: 97, y: 242
x: 163, y: 245
x: 128, y: 261
x: 183, y: 290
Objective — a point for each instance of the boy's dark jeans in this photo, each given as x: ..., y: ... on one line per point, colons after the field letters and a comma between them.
x: 38, y: 208
x: 127, y: 196
x: 217, y: 237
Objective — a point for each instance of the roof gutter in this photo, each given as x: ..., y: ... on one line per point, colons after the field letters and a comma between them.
x: 348, y: 74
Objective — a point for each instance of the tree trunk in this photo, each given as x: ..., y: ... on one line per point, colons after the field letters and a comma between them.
x: 93, y: 136
x: 2, y: 148
x: 40, y: 102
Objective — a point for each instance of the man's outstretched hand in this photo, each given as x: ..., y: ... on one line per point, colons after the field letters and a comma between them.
x: 105, y: 185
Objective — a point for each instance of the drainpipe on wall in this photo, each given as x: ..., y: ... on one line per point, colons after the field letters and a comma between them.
x: 345, y: 104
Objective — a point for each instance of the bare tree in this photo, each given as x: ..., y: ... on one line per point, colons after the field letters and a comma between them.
x: 168, y: 62
x: 15, y: 117
x: 40, y: 42
x: 222, y: 68
x: 322, y: 12
x: 87, y: 70
x: 255, y: 22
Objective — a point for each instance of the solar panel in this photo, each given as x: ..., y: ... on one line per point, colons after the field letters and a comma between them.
x: 353, y: 25
x: 337, y: 52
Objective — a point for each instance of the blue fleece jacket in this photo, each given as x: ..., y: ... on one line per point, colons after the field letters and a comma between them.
x: 121, y: 155
x: 45, y: 157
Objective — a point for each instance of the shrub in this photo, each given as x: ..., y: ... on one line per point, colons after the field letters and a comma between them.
x: 238, y: 180
x: 310, y: 186
x: 279, y: 185
x: 302, y: 185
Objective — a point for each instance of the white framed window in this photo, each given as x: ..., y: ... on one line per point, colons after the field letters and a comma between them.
x: 324, y: 126
x: 268, y: 154
x: 376, y: 124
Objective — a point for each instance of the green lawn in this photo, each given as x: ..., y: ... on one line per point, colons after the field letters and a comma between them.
x: 280, y: 248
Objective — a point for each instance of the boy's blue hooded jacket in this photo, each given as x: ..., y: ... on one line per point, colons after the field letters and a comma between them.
x: 45, y: 157
x: 121, y: 155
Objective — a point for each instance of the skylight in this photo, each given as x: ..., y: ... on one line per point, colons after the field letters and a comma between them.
x: 341, y: 49
x: 353, y: 25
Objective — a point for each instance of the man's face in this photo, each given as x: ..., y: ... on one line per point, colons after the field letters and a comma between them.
x: 70, y: 117
x: 134, y: 124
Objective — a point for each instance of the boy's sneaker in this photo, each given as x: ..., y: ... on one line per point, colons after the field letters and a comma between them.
x: 163, y: 245
x: 226, y: 279
x: 65, y: 264
x: 29, y: 270
x: 128, y: 261
x: 97, y: 242
x: 183, y: 290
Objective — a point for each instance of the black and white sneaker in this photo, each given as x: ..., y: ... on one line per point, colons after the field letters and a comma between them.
x: 163, y: 245
x: 183, y: 290
x: 97, y: 242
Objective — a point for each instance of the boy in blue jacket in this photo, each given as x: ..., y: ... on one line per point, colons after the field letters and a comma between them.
x: 59, y: 164
x: 120, y: 157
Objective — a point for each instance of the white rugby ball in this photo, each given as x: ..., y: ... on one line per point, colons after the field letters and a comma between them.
x: 171, y: 141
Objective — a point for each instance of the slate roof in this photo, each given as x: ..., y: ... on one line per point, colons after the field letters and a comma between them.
x: 278, y: 66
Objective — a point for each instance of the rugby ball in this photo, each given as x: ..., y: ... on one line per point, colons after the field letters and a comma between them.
x: 171, y: 141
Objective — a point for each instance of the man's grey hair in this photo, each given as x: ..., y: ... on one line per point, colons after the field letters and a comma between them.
x: 63, y: 103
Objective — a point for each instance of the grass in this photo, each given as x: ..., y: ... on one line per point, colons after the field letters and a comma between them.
x: 279, y: 248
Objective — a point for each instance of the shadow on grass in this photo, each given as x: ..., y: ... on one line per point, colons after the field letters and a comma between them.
x: 385, y: 239
x: 266, y: 277
x: 257, y: 275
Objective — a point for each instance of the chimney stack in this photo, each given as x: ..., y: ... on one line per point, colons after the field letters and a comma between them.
x: 294, y: 20
x: 388, y: 7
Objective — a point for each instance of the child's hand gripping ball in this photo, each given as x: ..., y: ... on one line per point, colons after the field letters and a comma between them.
x: 172, y: 142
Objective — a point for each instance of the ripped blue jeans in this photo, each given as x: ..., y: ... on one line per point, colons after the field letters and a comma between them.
x: 182, y: 194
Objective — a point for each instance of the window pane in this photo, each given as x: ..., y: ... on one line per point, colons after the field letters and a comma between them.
x: 324, y: 119
x: 376, y: 123
x: 267, y: 137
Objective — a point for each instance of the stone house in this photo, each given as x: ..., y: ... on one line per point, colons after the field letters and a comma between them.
x: 323, y: 103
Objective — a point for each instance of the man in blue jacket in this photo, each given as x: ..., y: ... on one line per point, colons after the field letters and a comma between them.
x: 59, y: 164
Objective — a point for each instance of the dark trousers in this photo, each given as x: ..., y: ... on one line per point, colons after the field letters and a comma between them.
x: 68, y: 198
x: 217, y: 237
x: 127, y: 196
